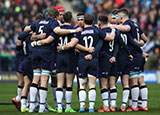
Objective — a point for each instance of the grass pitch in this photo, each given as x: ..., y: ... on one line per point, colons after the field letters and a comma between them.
x: 7, y: 91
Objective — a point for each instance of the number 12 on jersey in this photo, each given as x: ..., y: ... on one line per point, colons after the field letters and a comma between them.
x: 86, y: 39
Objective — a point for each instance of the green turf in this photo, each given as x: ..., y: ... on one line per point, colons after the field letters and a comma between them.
x: 7, y: 91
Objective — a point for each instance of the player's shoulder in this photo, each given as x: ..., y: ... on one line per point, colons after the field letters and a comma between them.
x: 107, y: 29
x: 128, y: 22
x: 67, y: 26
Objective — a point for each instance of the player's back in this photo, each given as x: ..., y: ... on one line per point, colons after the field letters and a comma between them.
x: 45, y: 26
x: 63, y: 40
x: 89, y: 37
x: 109, y: 46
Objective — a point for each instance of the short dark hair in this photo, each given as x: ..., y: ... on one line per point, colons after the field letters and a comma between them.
x: 88, y: 19
x: 80, y: 15
x: 124, y: 11
x: 115, y: 11
x: 67, y: 16
x: 103, y: 19
x: 39, y: 16
x: 53, y: 13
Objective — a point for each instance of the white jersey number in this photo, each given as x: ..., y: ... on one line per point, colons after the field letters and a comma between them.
x: 138, y: 36
x: 86, y: 41
x: 41, y: 29
x: 111, y: 45
x: 24, y: 47
x: 63, y: 42
x: 124, y: 37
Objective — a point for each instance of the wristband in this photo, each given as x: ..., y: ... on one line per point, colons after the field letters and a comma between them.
x: 62, y: 47
x: 113, y: 29
x: 39, y: 43
x: 72, y: 31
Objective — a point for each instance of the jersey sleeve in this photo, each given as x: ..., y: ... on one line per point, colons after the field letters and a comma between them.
x: 77, y: 35
x: 54, y: 35
x: 98, y: 47
x: 33, y: 26
x: 140, y: 30
x: 115, y: 52
x: 102, y: 34
x: 134, y: 45
x: 22, y: 36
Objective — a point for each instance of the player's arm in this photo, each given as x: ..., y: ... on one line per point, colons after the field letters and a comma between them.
x: 83, y: 48
x: 48, y: 40
x: 35, y: 37
x: 98, y: 47
x: 27, y: 28
x: 140, y: 42
x: 115, y: 52
x: 122, y: 28
x: 69, y: 45
x: 135, y: 45
x: 60, y: 31
x: 116, y: 49
x: 144, y: 38
x: 110, y: 36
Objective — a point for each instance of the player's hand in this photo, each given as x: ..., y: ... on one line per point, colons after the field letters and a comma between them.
x: 76, y: 50
x: 59, y: 48
x: 141, y: 43
x: 145, y: 54
x: 88, y: 57
x: 18, y: 43
x: 42, y: 36
x: 130, y: 57
x: 33, y: 44
x: 79, y: 29
x: 112, y: 60
x: 91, y: 49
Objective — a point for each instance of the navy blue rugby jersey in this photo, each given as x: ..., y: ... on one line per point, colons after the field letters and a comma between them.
x: 45, y: 26
x: 64, y: 39
x: 89, y: 37
x: 110, y: 47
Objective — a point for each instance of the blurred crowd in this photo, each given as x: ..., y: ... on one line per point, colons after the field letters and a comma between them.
x: 13, y: 15
x: 16, y: 13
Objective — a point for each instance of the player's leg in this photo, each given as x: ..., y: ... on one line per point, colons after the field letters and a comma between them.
x: 18, y: 64
x: 103, y: 78
x: 104, y: 94
x: 143, y: 92
x: 68, y: 96
x: 20, y: 85
x: 53, y: 88
x: 16, y: 100
x: 82, y: 93
x: 59, y: 91
x: 24, y: 94
x: 43, y: 89
x: 134, y: 90
x: 64, y: 93
x: 34, y: 88
x: 113, y: 93
x: 54, y: 80
x: 92, y: 92
x: 126, y: 91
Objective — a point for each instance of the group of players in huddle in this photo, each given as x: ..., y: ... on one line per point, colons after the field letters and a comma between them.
x: 52, y: 47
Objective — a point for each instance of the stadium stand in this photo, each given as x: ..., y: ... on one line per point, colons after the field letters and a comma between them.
x: 16, y: 13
